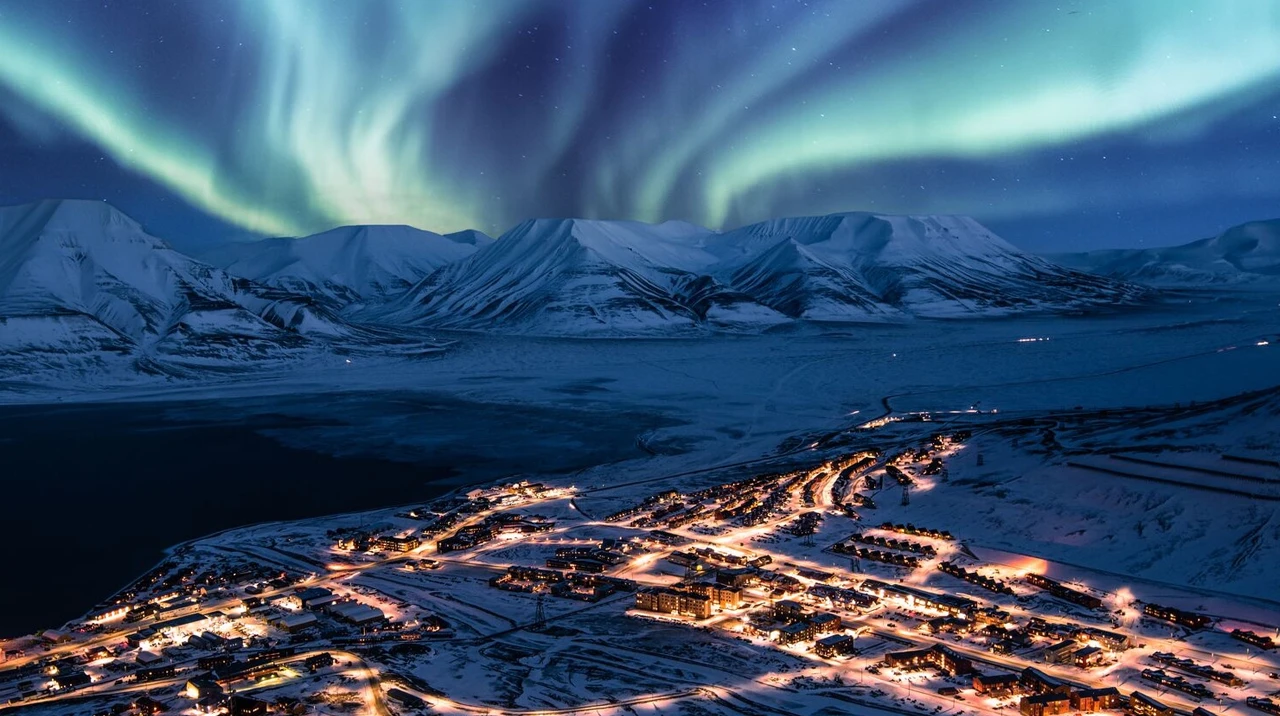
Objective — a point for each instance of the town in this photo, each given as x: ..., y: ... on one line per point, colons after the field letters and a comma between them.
x: 793, y: 562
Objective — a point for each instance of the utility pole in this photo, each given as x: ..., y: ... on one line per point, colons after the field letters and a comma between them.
x: 540, y: 613
x: 906, y: 495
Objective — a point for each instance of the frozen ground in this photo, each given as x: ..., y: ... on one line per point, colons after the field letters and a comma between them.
x: 735, y: 397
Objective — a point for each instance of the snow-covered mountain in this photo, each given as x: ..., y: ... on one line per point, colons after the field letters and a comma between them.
x: 350, y: 266
x: 1242, y: 254
x: 859, y: 267
x: 81, y: 282
x: 573, y: 276
x: 590, y: 277
x: 81, y: 279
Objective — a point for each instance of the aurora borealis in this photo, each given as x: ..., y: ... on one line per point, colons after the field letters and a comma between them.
x: 1073, y: 122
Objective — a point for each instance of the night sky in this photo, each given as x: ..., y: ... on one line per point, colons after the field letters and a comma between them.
x: 1062, y: 125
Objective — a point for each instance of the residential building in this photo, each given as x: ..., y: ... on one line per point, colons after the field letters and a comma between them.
x: 1142, y: 705
x: 938, y: 656
x: 788, y: 609
x: 1109, y: 640
x: 920, y: 599
x: 1035, y: 681
x: 202, y: 687
x: 723, y: 596
x: 1190, y: 620
x: 673, y: 601
x: 996, y: 684
x: 1044, y: 704
x: 1087, y: 700
x: 318, y: 661
x: 797, y: 632
x: 825, y: 622
x: 1087, y: 657
x: 834, y: 645
x: 1063, y: 592
x: 1061, y: 652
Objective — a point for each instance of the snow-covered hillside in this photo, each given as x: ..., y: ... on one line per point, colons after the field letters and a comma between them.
x: 572, y: 276
x: 1242, y: 254
x: 859, y: 266
x: 350, y: 266
x: 589, y: 277
x: 85, y: 291
x: 83, y: 284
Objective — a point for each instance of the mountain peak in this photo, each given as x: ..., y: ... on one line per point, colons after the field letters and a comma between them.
x: 349, y: 266
x: 81, y: 220
x: 471, y: 237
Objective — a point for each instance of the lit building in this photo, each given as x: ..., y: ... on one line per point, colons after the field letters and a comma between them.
x: 1035, y: 681
x: 1109, y: 640
x: 672, y: 601
x: 1061, y: 652
x: 995, y: 684
x: 797, y: 632
x: 294, y: 623
x: 1044, y: 704
x: 835, y: 645
x: 938, y: 656
x: 1087, y: 657
x: 1064, y: 592
x: 1087, y: 700
x: 1190, y: 620
x: 1142, y: 705
x: 723, y: 596
x: 920, y: 599
x: 397, y: 544
x: 202, y: 687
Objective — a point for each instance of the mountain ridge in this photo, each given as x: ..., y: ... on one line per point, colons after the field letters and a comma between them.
x: 81, y: 280
x: 568, y: 276
x: 583, y: 277
x: 1242, y: 254
x: 348, y: 266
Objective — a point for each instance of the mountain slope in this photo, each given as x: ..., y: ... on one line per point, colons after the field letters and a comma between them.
x: 575, y: 277
x: 1246, y: 253
x: 572, y: 276
x: 80, y: 281
x: 348, y: 266
x: 859, y: 266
